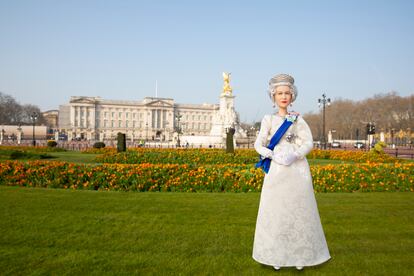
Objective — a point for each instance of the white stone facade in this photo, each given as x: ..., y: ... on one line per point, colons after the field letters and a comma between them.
x: 94, y: 118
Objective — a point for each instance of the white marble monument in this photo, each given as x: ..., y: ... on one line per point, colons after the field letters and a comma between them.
x: 224, y: 118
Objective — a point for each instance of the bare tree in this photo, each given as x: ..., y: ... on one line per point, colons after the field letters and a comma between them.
x: 386, y: 111
x: 12, y: 113
x: 10, y: 110
x: 29, y: 109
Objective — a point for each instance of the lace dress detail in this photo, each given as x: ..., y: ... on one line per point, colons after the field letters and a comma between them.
x: 288, y: 228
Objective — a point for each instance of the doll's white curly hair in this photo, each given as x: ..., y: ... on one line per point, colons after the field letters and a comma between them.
x: 282, y: 79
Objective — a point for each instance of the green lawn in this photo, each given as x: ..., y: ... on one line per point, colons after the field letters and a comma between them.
x: 73, y: 156
x: 47, y: 231
x: 66, y: 156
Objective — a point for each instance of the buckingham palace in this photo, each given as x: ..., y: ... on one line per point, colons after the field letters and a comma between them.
x: 153, y: 118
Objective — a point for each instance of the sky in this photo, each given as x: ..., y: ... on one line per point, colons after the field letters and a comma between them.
x: 52, y: 50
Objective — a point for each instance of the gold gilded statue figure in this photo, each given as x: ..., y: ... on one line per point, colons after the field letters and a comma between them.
x: 226, y: 87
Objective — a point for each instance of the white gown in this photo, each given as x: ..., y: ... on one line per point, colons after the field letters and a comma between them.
x: 288, y: 228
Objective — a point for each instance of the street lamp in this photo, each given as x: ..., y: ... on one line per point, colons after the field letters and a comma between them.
x: 324, y: 101
x: 178, y: 118
x: 33, y: 117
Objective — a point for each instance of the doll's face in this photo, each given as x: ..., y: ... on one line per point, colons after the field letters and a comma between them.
x: 282, y: 96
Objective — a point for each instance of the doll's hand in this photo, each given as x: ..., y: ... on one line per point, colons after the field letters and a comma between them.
x: 285, y: 159
x: 290, y: 158
x: 268, y: 154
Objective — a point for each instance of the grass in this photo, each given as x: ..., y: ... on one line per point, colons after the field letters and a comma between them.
x: 46, y: 231
x: 67, y: 156
x: 74, y: 156
x: 22, y: 155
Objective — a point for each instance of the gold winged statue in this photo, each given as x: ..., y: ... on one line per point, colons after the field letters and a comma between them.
x: 226, y: 87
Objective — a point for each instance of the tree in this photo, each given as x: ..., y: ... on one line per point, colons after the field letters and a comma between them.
x: 29, y: 109
x: 386, y: 111
x: 12, y: 113
x: 10, y: 110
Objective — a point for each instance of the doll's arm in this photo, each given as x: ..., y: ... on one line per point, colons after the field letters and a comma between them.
x: 261, y: 140
x: 305, y: 135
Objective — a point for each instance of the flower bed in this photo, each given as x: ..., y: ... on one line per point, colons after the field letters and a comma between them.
x: 349, y: 155
x: 179, y: 156
x: 209, y: 178
x: 218, y: 156
x: 365, y: 177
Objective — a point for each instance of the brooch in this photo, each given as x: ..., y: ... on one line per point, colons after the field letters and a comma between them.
x: 292, y: 116
x: 290, y: 137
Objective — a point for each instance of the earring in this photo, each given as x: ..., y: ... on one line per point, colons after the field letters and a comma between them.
x: 291, y: 104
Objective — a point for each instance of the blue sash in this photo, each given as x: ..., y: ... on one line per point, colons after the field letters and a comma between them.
x: 264, y: 163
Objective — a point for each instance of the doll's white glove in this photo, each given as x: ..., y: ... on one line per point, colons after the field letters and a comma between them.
x: 285, y: 158
x: 267, y: 153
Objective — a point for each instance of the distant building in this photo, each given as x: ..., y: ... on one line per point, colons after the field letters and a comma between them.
x: 94, y: 118
x: 51, y: 117
x: 152, y: 119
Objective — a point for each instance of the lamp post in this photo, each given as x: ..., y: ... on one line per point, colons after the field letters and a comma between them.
x: 33, y: 117
x: 178, y: 118
x: 324, y: 101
